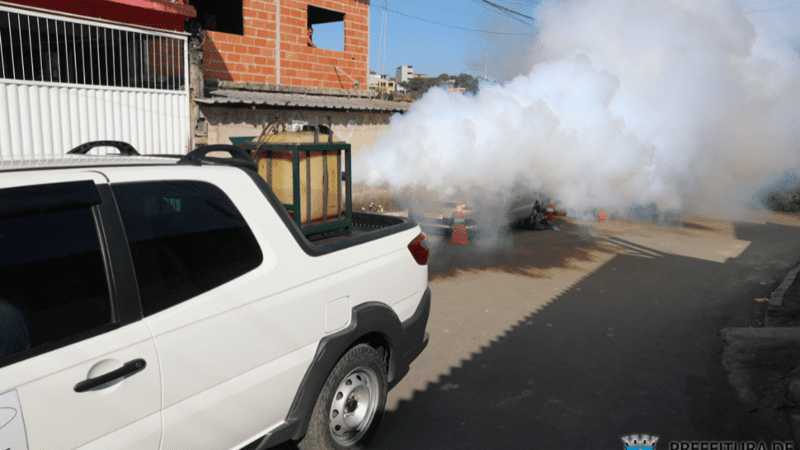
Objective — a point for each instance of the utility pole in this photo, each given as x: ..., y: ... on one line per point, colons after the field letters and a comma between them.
x: 485, y: 64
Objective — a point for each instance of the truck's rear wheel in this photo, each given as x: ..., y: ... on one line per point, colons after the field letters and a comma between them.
x: 350, y: 406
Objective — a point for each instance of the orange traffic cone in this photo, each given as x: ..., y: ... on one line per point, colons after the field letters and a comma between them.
x: 602, y: 215
x: 459, y: 228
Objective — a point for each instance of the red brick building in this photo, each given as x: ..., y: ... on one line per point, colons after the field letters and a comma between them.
x: 264, y: 41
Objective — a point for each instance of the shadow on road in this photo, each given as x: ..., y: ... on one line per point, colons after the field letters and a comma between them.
x: 632, y: 348
x: 515, y: 251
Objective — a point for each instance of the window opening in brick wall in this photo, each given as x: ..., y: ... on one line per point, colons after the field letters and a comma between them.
x: 328, y: 28
x: 224, y: 17
x: 34, y: 48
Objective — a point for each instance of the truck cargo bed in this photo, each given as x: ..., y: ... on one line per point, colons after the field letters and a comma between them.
x: 365, y: 225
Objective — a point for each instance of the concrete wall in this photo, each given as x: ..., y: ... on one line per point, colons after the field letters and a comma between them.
x: 230, y: 121
x: 274, y: 46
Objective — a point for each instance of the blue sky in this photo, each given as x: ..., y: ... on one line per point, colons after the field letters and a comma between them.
x: 434, y: 49
x: 449, y: 46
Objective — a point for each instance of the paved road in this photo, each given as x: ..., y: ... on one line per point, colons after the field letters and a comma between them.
x: 570, y: 339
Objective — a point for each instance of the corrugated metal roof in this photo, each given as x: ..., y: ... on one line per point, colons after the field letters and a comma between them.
x: 230, y: 96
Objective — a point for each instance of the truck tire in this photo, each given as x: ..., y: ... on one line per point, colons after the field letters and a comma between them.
x: 349, y: 407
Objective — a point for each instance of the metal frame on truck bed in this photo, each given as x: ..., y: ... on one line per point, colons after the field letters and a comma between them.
x: 343, y: 219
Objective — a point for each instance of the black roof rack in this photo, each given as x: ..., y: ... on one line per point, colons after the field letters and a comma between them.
x: 239, y: 157
x: 123, y: 147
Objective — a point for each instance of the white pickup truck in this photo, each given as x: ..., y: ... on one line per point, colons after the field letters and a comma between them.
x: 156, y: 303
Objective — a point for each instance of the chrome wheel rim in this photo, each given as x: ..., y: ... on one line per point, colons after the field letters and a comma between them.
x: 353, y: 407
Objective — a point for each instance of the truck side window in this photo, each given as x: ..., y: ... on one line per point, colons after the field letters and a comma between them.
x: 186, y: 238
x: 53, y: 283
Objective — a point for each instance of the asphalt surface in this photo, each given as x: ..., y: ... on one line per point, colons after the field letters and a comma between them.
x: 572, y: 338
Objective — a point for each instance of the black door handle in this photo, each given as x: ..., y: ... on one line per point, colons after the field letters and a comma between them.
x: 103, y: 381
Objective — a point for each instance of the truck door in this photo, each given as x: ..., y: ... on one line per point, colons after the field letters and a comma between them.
x: 77, y: 370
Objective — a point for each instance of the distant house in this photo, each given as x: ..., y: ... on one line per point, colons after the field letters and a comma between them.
x: 382, y: 83
x: 374, y: 80
x: 450, y: 85
x: 387, y: 85
x: 404, y: 73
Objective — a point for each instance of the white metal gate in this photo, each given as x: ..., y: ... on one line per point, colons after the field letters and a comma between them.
x: 67, y: 81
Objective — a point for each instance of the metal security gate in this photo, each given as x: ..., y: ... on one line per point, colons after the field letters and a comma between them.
x: 66, y: 81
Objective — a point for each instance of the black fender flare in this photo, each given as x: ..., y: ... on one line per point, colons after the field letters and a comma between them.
x: 367, y: 318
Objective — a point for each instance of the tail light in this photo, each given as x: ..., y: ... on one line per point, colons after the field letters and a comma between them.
x: 420, y: 249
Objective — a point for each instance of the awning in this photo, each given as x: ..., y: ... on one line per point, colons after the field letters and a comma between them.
x: 231, y: 96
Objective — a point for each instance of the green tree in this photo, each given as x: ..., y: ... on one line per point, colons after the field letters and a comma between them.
x: 467, y: 82
x: 417, y: 87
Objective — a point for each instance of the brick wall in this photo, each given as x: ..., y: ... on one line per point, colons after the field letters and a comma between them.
x: 253, y: 57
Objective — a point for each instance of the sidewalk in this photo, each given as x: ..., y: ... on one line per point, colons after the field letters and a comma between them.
x: 784, y: 303
x: 764, y: 363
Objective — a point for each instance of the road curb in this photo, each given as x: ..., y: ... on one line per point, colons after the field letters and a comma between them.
x: 743, y: 355
x: 796, y: 425
x: 777, y: 297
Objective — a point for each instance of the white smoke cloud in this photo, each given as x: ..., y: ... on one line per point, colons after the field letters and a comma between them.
x: 689, y: 106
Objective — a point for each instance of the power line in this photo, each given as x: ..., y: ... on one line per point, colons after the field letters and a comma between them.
x: 451, y: 26
x: 503, y: 8
x: 495, y: 9
x: 521, y: 3
x: 510, y: 13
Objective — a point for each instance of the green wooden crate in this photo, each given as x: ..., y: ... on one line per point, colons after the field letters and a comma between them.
x: 344, y: 217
